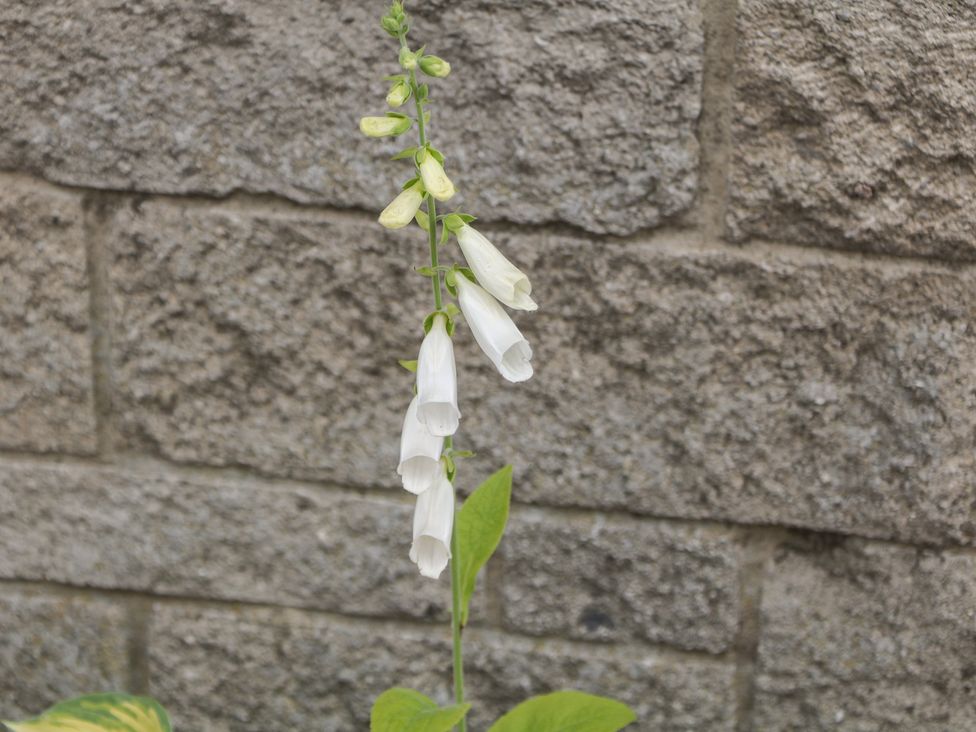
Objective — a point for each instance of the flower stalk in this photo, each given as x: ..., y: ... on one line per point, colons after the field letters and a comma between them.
x: 431, y: 206
x: 444, y: 535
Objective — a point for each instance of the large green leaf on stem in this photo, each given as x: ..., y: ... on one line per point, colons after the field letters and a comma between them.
x: 566, y: 711
x: 99, y: 713
x: 406, y: 710
x: 480, y: 525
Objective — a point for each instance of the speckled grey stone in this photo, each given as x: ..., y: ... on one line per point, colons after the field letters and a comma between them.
x: 221, y: 669
x: 616, y: 579
x: 760, y: 386
x: 854, y: 125
x: 46, y: 401
x: 866, y: 637
x: 56, y: 646
x: 573, y: 111
x: 235, y: 540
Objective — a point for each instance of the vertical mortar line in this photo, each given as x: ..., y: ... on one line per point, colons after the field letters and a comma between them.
x: 758, y: 549
x: 139, y: 619
x: 98, y: 215
x: 715, y: 121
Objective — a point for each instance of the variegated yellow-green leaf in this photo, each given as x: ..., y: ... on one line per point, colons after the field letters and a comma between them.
x: 406, y: 710
x: 99, y: 713
x: 566, y: 711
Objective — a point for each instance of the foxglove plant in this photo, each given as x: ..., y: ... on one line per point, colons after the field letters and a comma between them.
x: 442, y: 535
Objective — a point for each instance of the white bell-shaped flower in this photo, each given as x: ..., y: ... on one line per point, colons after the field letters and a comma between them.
x: 433, y: 522
x: 437, y: 405
x: 495, y: 273
x: 403, y: 208
x: 420, y: 453
x: 494, y: 331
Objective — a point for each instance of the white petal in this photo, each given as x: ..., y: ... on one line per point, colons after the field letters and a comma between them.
x: 494, y: 272
x: 433, y: 523
x: 420, y: 453
x: 494, y: 331
x: 437, y: 382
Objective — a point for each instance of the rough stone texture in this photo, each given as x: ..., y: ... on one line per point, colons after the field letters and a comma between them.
x: 46, y: 398
x: 627, y: 579
x: 853, y: 125
x: 212, y: 539
x: 867, y: 637
x: 55, y: 646
x: 220, y: 669
x: 265, y: 340
x: 670, y: 379
x: 550, y: 100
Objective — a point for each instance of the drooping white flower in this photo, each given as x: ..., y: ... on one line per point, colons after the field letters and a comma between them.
x: 437, y: 405
x: 495, y: 273
x: 433, y: 521
x: 403, y: 208
x: 494, y: 331
x: 420, y: 453
x: 435, y: 179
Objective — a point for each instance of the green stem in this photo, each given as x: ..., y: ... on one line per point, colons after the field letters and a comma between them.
x: 448, y: 442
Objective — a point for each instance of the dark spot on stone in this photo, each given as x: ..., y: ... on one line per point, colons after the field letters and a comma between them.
x: 593, y: 618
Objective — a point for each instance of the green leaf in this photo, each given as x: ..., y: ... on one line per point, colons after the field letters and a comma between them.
x: 406, y: 153
x: 444, y: 234
x: 108, y: 712
x: 406, y: 710
x: 466, y: 218
x: 422, y: 221
x: 438, y: 156
x: 409, y: 183
x: 426, y: 271
x: 410, y: 366
x: 452, y: 309
x: 566, y: 711
x: 480, y: 525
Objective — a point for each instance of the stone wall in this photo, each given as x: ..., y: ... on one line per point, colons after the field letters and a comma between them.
x: 745, y: 482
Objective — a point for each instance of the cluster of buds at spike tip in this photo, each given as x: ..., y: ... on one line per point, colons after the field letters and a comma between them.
x: 395, y: 20
x: 487, y: 283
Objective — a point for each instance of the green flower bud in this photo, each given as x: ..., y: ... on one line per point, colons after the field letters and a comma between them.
x: 434, y: 66
x: 384, y: 126
x: 390, y: 25
x: 408, y: 60
x: 399, y: 93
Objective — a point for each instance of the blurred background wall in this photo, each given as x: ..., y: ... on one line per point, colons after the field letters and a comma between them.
x: 744, y: 468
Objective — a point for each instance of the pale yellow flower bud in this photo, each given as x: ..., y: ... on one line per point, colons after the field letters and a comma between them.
x: 434, y: 66
x: 435, y: 179
x: 408, y: 60
x: 403, y: 208
x: 399, y: 93
x: 384, y: 126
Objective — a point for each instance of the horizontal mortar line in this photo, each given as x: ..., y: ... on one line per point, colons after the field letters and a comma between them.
x: 851, y: 257
x: 670, y: 238
x: 268, y: 202
x: 143, y: 466
x: 631, y: 646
